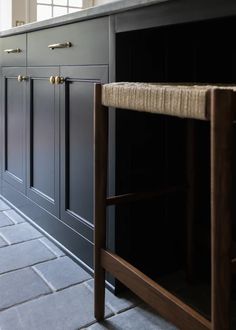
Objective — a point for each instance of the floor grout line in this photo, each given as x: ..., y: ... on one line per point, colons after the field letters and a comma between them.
x: 49, y: 248
x: 40, y: 296
x: 21, y: 242
x: 28, y: 266
x: 11, y: 218
x: 39, y: 273
x: 5, y: 240
x: 42, y: 277
x: 25, y: 301
x: 7, y: 225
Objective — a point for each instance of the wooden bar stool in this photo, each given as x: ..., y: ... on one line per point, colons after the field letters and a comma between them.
x: 216, y: 104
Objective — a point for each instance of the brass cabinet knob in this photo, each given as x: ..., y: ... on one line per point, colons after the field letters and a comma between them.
x: 52, y: 80
x: 62, y: 80
x: 59, y: 80
x: 21, y: 78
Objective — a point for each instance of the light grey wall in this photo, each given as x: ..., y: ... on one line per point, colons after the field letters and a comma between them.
x: 16, y: 10
x: 5, y: 14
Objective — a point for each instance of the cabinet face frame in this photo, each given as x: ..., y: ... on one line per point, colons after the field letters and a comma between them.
x: 86, y: 75
x: 11, y: 117
x: 42, y: 74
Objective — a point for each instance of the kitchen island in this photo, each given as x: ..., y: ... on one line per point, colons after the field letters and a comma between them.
x: 48, y: 70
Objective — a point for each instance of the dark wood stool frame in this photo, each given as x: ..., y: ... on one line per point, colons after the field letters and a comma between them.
x: 221, y: 106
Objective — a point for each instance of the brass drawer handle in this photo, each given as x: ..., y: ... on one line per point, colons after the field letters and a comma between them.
x: 12, y: 51
x: 21, y: 78
x: 59, y: 80
x: 67, y: 44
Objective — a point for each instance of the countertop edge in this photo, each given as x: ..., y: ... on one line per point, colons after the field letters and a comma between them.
x: 86, y: 14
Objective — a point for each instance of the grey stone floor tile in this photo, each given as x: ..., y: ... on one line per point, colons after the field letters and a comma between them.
x: 118, y: 303
x: 4, y: 206
x: 19, y: 233
x: 61, y: 273
x: 19, y: 286
x: 14, y: 216
x: 4, y: 220
x: 2, y: 242
x: 138, y: 318
x: 69, y: 309
x: 23, y: 254
x: 52, y: 247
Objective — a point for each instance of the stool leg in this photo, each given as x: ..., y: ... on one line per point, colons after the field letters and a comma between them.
x: 221, y: 205
x: 100, y: 193
x: 191, y: 199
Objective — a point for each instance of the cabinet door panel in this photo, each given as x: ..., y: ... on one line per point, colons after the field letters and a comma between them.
x: 80, y: 149
x: 14, y: 128
x: 43, y: 139
x: 77, y: 145
x: 43, y: 132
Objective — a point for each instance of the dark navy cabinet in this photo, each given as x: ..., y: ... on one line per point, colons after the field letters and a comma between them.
x: 47, y: 127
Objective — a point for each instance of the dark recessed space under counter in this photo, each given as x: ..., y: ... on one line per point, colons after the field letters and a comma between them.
x: 152, y: 152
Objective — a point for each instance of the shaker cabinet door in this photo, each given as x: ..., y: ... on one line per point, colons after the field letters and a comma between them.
x: 77, y: 145
x: 43, y: 139
x: 14, y: 118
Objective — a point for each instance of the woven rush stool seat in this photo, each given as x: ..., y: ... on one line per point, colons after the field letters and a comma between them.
x: 216, y: 104
x: 186, y: 101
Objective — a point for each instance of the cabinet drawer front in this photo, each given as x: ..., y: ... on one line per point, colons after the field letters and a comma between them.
x: 13, y: 50
x: 79, y: 43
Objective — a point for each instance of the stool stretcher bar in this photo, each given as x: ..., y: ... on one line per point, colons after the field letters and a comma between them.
x: 165, y: 303
x: 139, y: 196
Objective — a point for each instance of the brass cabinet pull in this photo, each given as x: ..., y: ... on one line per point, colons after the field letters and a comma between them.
x: 59, y: 80
x: 21, y: 78
x: 52, y: 80
x: 11, y: 51
x: 67, y: 44
x: 56, y: 80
